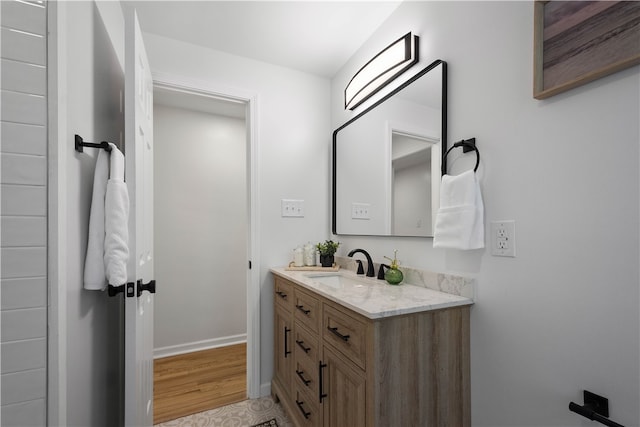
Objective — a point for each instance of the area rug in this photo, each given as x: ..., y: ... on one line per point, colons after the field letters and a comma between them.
x: 271, y: 423
x: 241, y: 414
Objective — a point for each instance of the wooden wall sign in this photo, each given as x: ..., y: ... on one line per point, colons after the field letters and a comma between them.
x: 576, y: 42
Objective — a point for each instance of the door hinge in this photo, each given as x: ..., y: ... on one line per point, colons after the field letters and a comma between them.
x: 249, y: 264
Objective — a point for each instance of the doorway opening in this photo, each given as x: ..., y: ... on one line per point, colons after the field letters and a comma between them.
x: 204, y: 243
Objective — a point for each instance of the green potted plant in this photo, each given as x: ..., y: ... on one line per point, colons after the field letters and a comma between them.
x: 327, y: 250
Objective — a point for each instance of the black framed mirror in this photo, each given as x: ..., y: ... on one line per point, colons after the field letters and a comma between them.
x: 387, y: 160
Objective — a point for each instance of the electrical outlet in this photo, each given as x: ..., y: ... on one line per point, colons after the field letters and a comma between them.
x: 503, y: 238
x: 292, y: 208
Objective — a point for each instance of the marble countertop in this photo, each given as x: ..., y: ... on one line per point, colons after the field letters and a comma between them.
x: 371, y: 297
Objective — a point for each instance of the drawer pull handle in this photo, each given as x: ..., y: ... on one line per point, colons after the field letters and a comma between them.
x: 301, y: 345
x: 344, y: 338
x: 281, y: 294
x: 304, y: 380
x: 305, y: 413
x: 286, y: 341
x: 302, y: 309
x: 321, y: 392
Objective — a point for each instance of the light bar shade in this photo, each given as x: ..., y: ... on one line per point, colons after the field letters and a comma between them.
x: 392, y: 61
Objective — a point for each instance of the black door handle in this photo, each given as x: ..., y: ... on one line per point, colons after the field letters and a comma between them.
x: 321, y: 393
x: 286, y: 341
x: 151, y: 287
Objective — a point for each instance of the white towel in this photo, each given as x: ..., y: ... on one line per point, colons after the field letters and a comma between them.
x: 94, y: 275
x: 116, y: 242
x: 460, y: 218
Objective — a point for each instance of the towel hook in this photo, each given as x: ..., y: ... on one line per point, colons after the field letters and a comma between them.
x: 79, y: 144
x: 467, y: 145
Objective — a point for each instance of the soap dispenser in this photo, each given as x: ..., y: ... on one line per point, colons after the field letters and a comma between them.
x: 393, y: 275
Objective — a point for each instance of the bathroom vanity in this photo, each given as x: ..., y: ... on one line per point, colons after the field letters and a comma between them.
x: 353, y: 351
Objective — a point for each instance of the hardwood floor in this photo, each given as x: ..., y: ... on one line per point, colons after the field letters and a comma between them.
x: 198, y: 381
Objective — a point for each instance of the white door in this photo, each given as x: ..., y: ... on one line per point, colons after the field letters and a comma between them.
x: 139, y: 177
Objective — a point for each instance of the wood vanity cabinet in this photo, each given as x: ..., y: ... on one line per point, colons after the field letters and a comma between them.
x: 337, y: 368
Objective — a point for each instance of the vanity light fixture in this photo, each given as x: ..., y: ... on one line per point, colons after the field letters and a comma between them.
x: 383, y: 68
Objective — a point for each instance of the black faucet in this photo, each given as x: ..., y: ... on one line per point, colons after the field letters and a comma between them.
x: 381, y: 271
x: 370, y: 272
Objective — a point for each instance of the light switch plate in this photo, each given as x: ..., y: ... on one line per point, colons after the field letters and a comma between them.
x: 360, y: 211
x: 292, y: 208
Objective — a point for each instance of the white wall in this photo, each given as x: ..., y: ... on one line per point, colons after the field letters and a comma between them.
x: 563, y: 315
x: 560, y: 317
x: 293, y: 140
x: 200, y: 230
x: 91, y: 80
x: 23, y: 219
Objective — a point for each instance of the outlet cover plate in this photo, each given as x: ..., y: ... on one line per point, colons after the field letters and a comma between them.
x: 503, y: 238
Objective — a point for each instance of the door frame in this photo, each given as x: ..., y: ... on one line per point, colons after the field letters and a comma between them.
x: 57, y: 151
x: 219, y: 91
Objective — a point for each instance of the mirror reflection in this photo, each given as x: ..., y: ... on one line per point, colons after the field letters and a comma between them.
x: 387, y: 161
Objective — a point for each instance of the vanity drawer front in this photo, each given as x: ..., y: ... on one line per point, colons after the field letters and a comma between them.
x: 305, y: 375
x: 307, y: 310
x: 306, y: 408
x: 283, y: 293
x: 346, y: 333
x: 305, y: 345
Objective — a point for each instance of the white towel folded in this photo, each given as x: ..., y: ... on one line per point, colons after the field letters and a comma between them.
x: 116, y: 242
x: 94, y: 275
x: 460, y: 218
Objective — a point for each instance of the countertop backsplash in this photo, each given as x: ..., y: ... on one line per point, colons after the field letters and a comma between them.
x: 449, y: 283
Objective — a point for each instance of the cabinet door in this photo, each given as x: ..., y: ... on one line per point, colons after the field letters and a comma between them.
x: 345, y: 388
x: 283, y: 355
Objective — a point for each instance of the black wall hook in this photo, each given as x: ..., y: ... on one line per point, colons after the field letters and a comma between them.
x: 467, y: 145
x: 80, y: 144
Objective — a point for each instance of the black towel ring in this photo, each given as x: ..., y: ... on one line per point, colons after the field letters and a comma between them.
x: 467, y: 145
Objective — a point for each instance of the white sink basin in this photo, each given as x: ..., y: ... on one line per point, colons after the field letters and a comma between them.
x: 335, y: 280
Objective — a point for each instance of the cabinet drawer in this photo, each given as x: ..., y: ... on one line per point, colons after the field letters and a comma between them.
x: 306, y: 409
x: 346, y: 333
x: 305, y: 345
x: 307, y: 310
x: 306, y: 376
x: 283, y: 293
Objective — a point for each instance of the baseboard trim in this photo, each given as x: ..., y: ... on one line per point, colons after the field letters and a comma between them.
x: 265, y: 389
x: 174, y: 350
